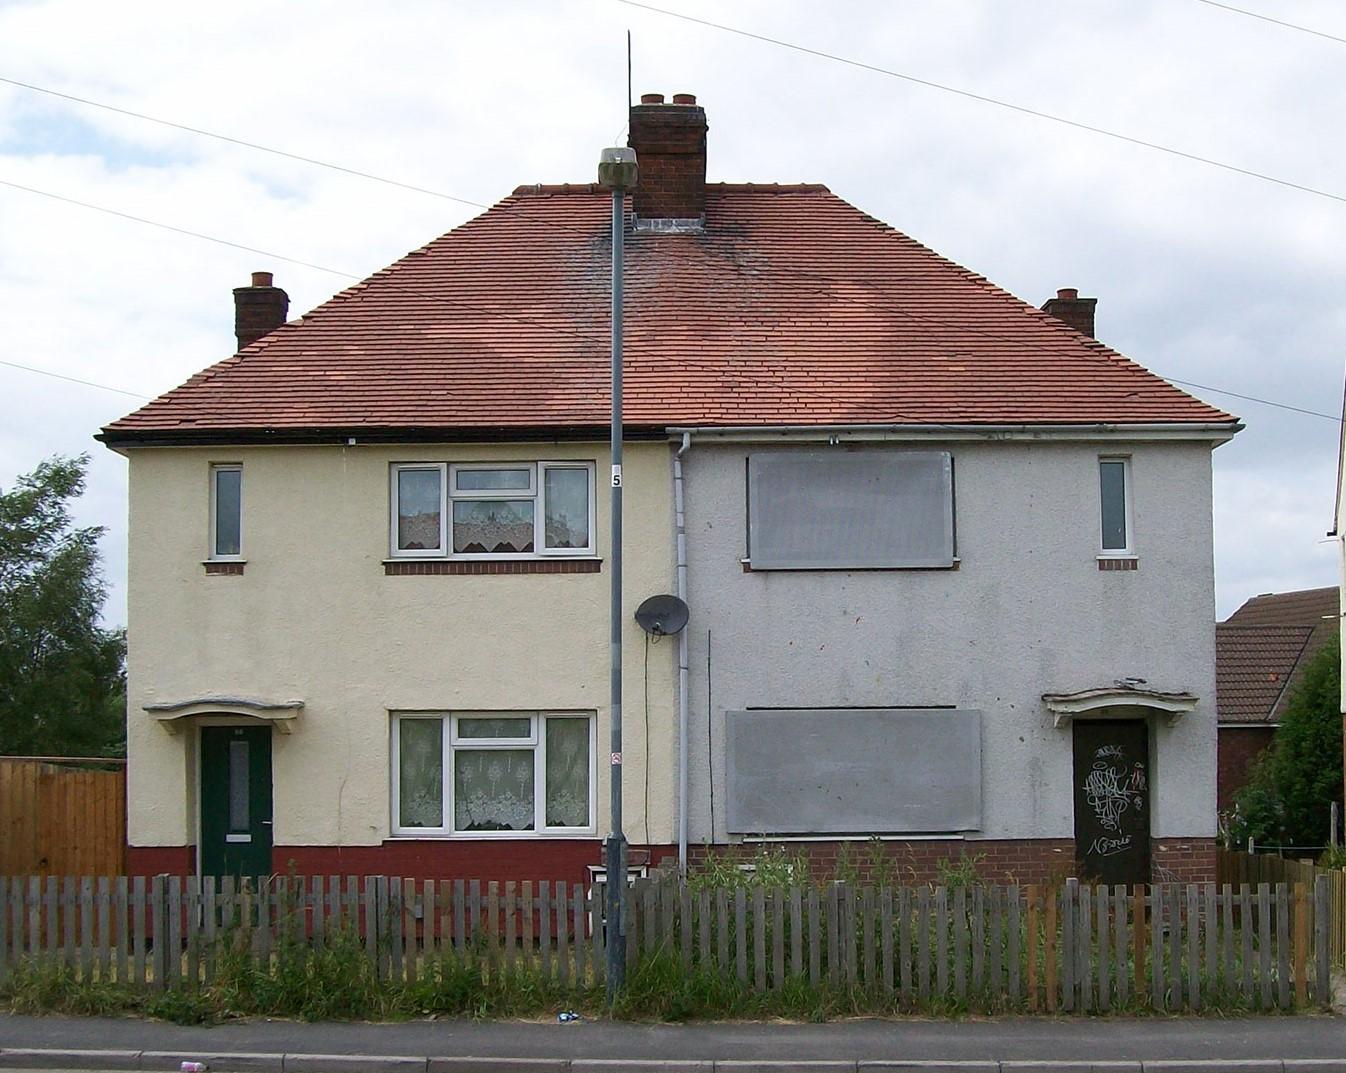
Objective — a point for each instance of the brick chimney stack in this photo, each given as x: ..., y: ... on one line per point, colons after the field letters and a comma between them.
x: 259, y: 309
x: 670, y: 145
x: 1070, y: 308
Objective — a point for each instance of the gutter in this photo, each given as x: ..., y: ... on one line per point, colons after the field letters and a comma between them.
x: 680, y: 538
x: 1219, y: 432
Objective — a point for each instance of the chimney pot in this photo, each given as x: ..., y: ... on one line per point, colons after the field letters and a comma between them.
x: 684, y: 98
x: 651, y: 98
x: 1069, y: 308
x: 259, y: 309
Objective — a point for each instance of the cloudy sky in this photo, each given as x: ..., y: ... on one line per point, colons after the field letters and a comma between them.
x: 1201, y: 274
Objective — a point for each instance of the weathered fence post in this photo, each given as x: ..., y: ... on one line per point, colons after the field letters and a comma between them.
x: 1322, y: 939
x: 158, y: 930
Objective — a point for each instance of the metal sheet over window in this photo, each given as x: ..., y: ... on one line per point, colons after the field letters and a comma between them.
x: 837, y: 509
x: 829, y: 771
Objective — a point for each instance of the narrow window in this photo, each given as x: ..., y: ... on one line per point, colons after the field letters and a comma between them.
x: 239, y: 823
x: 565, y: 493
x: 420, y: 773
x: 226, y: 512
x: 1115, y: 497
x: 418, y: 510
x: 568, y: 754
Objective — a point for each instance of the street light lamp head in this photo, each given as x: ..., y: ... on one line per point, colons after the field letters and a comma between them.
x: 617, y: 168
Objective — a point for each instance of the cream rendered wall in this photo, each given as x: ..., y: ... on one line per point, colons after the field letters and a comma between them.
x: 314, y: 617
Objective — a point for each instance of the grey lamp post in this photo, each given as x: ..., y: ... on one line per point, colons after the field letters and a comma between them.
x: 616, y: 169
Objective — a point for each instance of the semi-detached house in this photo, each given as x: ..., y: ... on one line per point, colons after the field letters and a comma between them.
x: 948, y: 557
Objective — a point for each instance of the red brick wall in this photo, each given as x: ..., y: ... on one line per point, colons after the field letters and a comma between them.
x: 1042, y: 860
x: 502, y: 859
x: 1238, y: 748
x: 157, y: 860
x: 1045, y: 860
x: 1185, y: 860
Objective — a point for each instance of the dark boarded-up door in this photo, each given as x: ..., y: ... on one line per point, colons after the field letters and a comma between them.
x: 1112, y: 800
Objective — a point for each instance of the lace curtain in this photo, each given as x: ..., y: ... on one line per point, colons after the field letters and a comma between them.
x: 421, y: 773
x: 493, y: 790
x: 567, y: 773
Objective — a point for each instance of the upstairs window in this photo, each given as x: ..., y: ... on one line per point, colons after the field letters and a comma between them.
x: 226, y: 512
x: 1114, y: 487
x: 833, y: 509
x: 493, y: 510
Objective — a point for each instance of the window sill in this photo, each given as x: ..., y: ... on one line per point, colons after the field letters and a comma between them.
x: 1118, y: 562
x: 748, y: 568
x: 224, y: 567
x: 420, y: 567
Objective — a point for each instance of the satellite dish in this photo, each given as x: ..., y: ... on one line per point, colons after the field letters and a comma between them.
x: 662, y: 615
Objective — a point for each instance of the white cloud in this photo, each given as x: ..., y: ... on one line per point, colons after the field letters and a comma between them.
x: 1201, y: 274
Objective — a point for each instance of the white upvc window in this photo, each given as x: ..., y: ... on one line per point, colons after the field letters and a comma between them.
x: 493, y: 510
x: 1114, y: 492
x: 493, y: 774
x: 226, y: 512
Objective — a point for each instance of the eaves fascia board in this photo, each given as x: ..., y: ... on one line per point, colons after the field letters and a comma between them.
x: 120, y: 439
x: 1215, y: 433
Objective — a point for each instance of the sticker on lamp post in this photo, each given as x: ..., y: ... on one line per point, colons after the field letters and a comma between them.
x: 616, y: 476
x: 616, y: 759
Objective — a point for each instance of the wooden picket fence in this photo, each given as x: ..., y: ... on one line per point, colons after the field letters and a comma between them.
x: 1233, y: 866
x: 1068, y: 948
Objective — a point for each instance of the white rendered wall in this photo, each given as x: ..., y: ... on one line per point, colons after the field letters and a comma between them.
x: 1028, y: 612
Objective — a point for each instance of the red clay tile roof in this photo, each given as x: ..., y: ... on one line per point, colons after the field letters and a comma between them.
x: 1253, y: 666
x: 1305, y: 607
x: 793, y: 307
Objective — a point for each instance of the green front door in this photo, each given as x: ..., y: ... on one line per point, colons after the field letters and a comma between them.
x: 236, y: 801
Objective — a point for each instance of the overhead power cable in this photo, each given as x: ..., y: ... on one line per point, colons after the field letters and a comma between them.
x: 594, y: 338
x: 996, y: 101
x: 1278, y: 22
x: 73, y: 379
x: 260, y: 148
x: 357, y: 173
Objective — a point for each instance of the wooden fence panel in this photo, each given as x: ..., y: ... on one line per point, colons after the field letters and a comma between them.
x: 61, y: 819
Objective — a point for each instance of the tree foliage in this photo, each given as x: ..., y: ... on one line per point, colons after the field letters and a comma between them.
x: 62, y: 677
x: 1289, y: 796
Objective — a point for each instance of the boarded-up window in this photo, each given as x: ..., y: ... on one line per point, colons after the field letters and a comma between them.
x: 836, y: 509
x: 829, y: 771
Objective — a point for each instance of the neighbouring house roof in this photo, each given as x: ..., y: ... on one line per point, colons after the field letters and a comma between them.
x: 1261, y: 649
x: 1253, y: 665
x: 791, y: 307
x: 1305, y: 607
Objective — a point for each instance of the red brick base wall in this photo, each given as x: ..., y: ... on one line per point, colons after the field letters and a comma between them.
x: 1239, y: 747
x: 1028, y: 860
x: 160, y: 860
x: 1042, y: 860
x: 502, y: 859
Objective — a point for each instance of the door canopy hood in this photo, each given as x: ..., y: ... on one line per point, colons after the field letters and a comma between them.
x: 207, y: 709
x: 1118, y: 701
